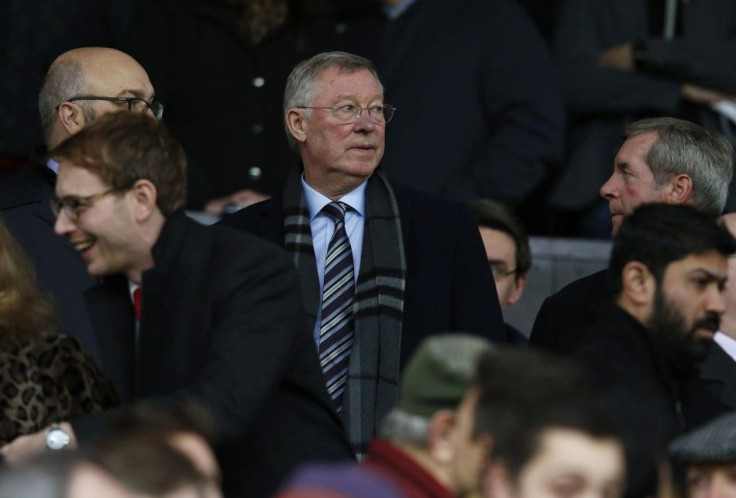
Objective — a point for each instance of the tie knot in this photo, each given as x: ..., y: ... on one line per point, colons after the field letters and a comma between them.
x: 336, y: 211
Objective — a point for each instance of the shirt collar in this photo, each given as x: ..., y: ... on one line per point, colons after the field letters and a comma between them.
x: 316, y: 201
x: 728, y: 344
x: 52, y: 165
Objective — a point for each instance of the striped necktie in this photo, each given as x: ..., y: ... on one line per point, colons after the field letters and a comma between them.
x: 336, y: 327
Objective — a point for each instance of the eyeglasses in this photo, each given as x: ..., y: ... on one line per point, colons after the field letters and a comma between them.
x: 135, y: 104
x: 499, y: 270
x: 73, y: 206
x: 350, y: 113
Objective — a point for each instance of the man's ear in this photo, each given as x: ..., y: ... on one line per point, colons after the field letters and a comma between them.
x: 145, y: 195
x: 296, y: 124
x: 519, y: 284
x: 71, y: 117
x: 680, y: 189
x: 638, y: 283
x: 441, y: 427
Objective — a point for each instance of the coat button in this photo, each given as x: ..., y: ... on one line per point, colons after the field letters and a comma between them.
x: 254, y: 172
x: 258, y: 82
x: 257, y: 128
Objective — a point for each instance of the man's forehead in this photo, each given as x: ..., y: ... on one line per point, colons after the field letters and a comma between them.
x: 711, y: 263
x: 75, y: 180
x: 338, y: 83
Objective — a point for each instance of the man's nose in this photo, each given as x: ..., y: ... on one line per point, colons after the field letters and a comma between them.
x: 608, y: 189
x: 365, y: 122
x: 63, y: 224
x: 716, y: 302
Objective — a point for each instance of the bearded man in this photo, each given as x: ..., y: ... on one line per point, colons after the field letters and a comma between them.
x: 667, y: 272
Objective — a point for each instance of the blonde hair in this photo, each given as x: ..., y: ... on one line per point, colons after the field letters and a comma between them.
x: 25, y: 311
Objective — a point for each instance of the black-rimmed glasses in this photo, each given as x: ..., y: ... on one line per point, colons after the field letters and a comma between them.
x: 350, y: 113
x: 134, y: 104
x: 73, y: 205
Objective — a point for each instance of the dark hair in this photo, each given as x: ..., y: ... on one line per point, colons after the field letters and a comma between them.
x: 146, y: 428
x: 123, y: 147
x: 523, y: 393
x: 161, y: 420
x: 659, y: 234
x: 147, y: 465
x: 519, y: 436
x: 493, y: 214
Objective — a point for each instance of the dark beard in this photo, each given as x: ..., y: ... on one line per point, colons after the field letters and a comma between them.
x: 682, y: 347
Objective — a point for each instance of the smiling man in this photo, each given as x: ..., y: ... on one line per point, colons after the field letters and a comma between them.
x: 662, y: 160
x: 81, y: 85
x: 186, y: 311
x: 667, y: 271
x: 381, y: 266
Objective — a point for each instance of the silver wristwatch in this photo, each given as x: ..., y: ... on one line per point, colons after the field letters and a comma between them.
x: 57, y: 438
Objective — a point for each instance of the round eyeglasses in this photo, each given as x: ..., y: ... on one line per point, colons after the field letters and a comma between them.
x: 134, y: 104
x: 73, y: 205
x: 350, y: 113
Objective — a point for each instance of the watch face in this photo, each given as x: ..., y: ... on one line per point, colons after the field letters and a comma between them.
x: 57, y: 439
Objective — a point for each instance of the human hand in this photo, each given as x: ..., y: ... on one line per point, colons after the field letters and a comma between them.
x: 243, y: 197
x: 619, y: 57
x: 705, y: 96
x: 24, y: 448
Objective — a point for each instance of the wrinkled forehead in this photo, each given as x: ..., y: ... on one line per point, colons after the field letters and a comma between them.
x: 334, y: 83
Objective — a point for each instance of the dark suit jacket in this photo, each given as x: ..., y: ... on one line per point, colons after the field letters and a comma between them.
x: 24, y: 204
x: 449, y: 286
x: 718, y: 373
x: 479, y: 110
x: 222, y: 322
x: 650, y: 400
x: 565, y: 315
x: 604, y: 100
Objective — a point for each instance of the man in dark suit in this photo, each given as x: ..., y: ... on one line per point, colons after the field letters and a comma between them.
x: 662, y: 160
x: 93, y: 73
x: 381, y: 266
x: 718, y: 371
x: 218, y: 312
x: 667, y: 272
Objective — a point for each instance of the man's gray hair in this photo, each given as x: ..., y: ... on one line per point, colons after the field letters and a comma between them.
x: 63, y: 81
x: 451, y: 359
x: 683, y: 147
x: 300, y: 87
x: 403, y: 427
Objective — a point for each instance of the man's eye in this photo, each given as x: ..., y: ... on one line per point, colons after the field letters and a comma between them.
x: 376, y: 108
x: 347, y: 108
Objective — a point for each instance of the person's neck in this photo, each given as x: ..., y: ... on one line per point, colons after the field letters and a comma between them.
x: 422, y: 457
x: 150, y: 231
x: 334, y: 190
x: 641, y: 314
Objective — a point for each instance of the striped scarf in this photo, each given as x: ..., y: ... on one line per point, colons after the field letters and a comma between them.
x: 373, y: 377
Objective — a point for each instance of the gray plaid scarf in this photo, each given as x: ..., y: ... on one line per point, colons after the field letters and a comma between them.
x: 373, y: 377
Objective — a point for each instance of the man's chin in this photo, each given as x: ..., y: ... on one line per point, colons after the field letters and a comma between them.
x: 700, y: 347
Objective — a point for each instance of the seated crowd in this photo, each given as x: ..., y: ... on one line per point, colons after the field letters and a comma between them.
x: 345, y: 337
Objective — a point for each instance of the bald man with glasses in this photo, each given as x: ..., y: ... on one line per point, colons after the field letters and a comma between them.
x: 80, y: 86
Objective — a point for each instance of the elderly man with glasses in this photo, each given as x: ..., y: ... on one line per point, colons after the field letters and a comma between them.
x: 81, y: 85
x: 381, y: 266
